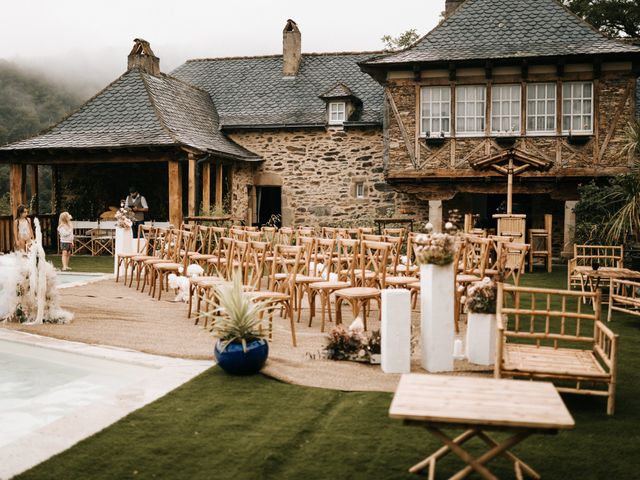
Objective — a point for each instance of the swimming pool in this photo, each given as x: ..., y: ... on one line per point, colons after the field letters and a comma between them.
x: 72, y: 279
x: 54, y: 393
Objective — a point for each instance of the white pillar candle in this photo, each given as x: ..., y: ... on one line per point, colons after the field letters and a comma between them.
x: 396, y: 331
x: 458, y: 352
x: 436, y: 317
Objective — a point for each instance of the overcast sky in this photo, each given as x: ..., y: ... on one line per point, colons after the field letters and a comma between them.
x: 90, y: 39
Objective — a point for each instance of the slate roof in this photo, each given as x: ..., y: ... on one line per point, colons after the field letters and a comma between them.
x: 251, y: 91
x: 139, y: 109
x: 500, y: 29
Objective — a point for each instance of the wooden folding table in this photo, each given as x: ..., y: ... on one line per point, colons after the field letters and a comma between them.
x: 479, y: 404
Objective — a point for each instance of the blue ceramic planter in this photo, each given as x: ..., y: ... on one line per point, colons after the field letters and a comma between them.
x: 236, y: 361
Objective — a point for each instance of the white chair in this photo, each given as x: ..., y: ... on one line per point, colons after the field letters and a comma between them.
x: 82, y: 236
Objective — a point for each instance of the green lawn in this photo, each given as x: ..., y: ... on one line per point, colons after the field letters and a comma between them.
x: 85, y: 263
x: 217, y: 426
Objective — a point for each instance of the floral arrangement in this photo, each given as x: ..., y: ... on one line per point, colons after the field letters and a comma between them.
x: 124, y: 217
x: 28, y: 292
x: 481, y: 296
x: 352, y: 343
x: 435, y: 249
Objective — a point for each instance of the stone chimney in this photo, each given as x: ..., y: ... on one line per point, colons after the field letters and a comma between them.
x: 451, y: 6
x: 142, y: 57
x: 291, y: 49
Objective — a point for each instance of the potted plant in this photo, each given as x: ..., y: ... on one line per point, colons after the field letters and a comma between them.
x: 480, y: 304
x: 240, y: 348
x: 435, y: 254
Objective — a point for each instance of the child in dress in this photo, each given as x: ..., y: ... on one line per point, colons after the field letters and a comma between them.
x: 22, y: 231
x: 65, y: 232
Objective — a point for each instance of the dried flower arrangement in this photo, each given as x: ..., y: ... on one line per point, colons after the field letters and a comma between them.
x: 353, y: 343
x: 124, y: 217
x: 481, y: 296
x: 435, y: 249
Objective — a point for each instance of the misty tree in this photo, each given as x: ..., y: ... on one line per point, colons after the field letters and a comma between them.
x: 28, y: 105
x: 616, y: 18
x: 403, y: 40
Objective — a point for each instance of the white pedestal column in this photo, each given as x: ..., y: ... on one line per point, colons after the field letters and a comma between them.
x: 124, y: 244
x: 435, y: 215
x: 396, y: 331
x: 481, y: 338
x: 436, y: 317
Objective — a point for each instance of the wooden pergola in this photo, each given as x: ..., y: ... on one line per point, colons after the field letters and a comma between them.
x: 510, y: 163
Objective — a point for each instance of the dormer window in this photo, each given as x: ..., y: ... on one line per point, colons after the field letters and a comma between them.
x: 342, y: 105
x: 337, y: 113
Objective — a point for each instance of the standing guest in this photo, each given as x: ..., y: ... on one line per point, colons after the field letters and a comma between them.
x: 65, y: 232
x: 138, y: 204
x: 22, y: 231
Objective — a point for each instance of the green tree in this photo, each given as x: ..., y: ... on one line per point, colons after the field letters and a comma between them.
x: 403, y: 40
x: 616, y: 18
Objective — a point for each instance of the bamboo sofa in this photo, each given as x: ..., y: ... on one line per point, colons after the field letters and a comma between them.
x: 553, y: 335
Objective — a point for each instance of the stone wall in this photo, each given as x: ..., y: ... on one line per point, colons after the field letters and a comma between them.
x: 318, y: 170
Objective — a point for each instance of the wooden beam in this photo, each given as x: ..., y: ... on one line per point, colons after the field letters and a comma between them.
x: 17, y: 186
x: 616, y: 117
x: 206, y: 186
x: 175, y: 193
x: 405, y: 136
x: 35, y: 194
x: 218, y: 185
x: 439, y: 174
x: 191, y: 200
x: 63, y: 157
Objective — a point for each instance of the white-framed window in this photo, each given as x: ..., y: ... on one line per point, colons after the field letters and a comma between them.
x: 541, y: 108
x: 470, y: 110
x: 435, y: 113
x: 577, y: 107
x: 505, y: 109
x: 359, y: 189
x: 337, y: 113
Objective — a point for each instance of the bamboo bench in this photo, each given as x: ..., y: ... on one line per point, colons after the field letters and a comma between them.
x: 624, y: 296
x: 548, y: 334
x: 584, y: 256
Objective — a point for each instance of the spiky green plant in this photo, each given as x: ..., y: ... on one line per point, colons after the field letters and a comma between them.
x: 624, y: 224
x: 236, y: 317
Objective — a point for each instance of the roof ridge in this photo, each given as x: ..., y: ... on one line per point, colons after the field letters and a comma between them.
x: 159, y: 115
x: 70, y: 114
x: 279, y: 55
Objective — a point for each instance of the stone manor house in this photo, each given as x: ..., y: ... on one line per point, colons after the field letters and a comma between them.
x: 322, y: 138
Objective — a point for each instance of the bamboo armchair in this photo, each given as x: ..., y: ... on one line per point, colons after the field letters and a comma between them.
x: 624, y: 296
x: 544, y: 334
x: 370, y: 277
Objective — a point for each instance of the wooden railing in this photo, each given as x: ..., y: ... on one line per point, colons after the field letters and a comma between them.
x: 47, y: 225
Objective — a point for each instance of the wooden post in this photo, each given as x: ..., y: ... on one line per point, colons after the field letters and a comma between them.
x: 17, y: 187
x: 175, y: 193
x: 33, y: 176
x: 206, y: 186
x: 55, y: 188
x: 510, y: 188
x: 191, y: 201
x: 218, y: 185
